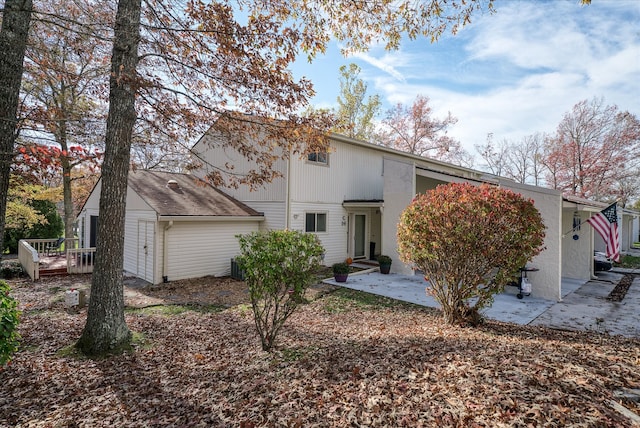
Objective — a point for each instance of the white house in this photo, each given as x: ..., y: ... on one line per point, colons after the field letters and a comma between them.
x: 176, y: 226
x: 352, y: 198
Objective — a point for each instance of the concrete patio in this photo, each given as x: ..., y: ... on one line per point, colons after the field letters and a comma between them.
x: 583, y: 307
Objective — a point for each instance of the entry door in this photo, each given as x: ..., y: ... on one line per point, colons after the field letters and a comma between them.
x: 93, y: 231
x: 359, y: 236
x: 146, y: 231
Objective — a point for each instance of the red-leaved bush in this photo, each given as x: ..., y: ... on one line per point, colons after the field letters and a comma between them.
x: 470, y: 242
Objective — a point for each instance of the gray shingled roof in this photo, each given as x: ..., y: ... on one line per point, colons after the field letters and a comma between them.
x: 191, y: 196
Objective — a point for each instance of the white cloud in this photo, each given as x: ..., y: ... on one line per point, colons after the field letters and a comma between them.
x: 387, y: 63
x: 515, y: 72
x: 521, y: 69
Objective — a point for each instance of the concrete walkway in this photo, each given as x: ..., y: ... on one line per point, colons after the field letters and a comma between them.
x: 583, y: 307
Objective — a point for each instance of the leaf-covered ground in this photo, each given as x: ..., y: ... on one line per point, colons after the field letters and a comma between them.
x: 345, y: 359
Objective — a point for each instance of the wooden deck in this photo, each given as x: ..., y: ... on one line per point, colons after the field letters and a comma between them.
x: 37, y: 258
x: 53, y: 265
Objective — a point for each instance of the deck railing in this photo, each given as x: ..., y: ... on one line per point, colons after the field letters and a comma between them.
x: 80, y: 260
x: 31, y: 251
x: 29, y: 257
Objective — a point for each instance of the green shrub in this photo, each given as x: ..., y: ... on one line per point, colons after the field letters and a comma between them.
x: 9, y: 318
x: 278, y: 266
x: 469, y: 241
x: 50, y: 225
x: 384, y: 260
x: 10, y: 269
x: 340, y: 268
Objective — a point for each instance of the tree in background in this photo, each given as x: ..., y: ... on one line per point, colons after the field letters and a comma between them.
x: 64, y: 92
x: 595, y: 148
x: 355, y: 115
x: 470, y: 242
x: 527, y: 160
x: 30, y: 213
x: 150, y: 150
x: 521, y: 161
x: 494, y: 155
x: 278, y: 267
x: 414, y: 130
x: 16, y: 17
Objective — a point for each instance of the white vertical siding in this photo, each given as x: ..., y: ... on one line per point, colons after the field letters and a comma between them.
x: 137, y: 210
x: 353, y: 172
x: 131, y: 248
x: 197, y: 249
x: 274, y: 213
x: 334, y: 240
x: 219, y: 157
x: 93, y: 201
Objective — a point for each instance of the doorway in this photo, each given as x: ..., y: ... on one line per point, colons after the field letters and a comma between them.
x: 146, y: 233
x: 93, y: 231
x: 358, y: 236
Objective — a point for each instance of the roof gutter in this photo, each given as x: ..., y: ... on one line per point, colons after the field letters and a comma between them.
x: 172, y: 218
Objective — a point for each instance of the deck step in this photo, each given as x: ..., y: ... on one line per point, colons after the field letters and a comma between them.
x: 52, y: 272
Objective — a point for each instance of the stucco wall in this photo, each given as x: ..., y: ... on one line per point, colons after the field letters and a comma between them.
x: 546, y: 283
x: 577, y: 254
x: 629, y: 230
x: 399, y: 190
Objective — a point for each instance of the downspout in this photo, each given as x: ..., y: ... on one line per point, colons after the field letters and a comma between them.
x: 287, y: 204
x: 165, y: 252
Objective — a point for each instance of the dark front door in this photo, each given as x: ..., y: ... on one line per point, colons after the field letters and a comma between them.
x: 93, y: 231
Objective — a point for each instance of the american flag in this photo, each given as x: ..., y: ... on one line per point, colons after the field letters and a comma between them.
x: 606, y: 224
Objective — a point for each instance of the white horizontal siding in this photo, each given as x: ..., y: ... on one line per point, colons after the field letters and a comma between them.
x: 197, y: 249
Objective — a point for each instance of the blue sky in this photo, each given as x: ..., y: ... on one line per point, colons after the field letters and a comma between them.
x: 512, y: 73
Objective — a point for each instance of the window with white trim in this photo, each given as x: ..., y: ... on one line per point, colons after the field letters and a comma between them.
x: 321, y: 158
x: 315, y: 222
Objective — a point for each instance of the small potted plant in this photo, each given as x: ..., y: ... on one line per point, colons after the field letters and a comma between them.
x: 340, y: 271
x: 385, y: 263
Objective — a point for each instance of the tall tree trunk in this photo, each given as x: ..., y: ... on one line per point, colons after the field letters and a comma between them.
x: 61, y: 138
x: 106, y: 330
x: 13, y: 43
x: 67, y: 197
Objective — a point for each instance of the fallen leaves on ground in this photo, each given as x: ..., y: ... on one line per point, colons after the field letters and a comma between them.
x: 343, y: 360
x: 620, y: 290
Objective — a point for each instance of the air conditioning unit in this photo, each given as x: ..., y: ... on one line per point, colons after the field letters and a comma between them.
x: 236, y: 272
